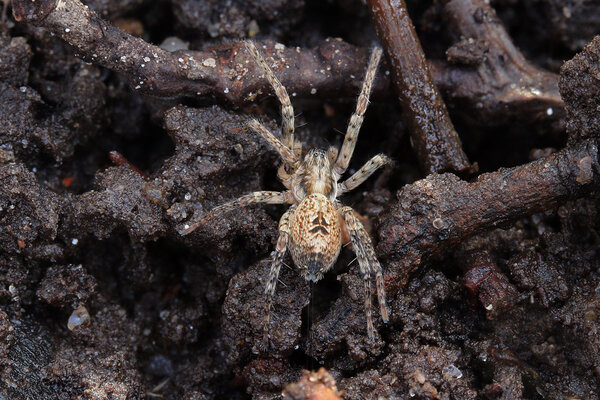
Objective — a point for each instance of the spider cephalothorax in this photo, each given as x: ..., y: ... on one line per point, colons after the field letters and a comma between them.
x: 314, y: 175
x: 312, y: 227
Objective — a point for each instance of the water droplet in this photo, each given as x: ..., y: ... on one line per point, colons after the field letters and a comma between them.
x: 451, y: 372
x: 79, y: 317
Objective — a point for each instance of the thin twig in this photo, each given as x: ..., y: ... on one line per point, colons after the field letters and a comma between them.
x: 434, y: 138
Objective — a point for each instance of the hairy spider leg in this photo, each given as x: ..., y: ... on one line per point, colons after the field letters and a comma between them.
x: 280, y: 250
x: 286, y: 154
x: 343, y: 160
x: 266, y: 197
x: 287, y: 111
x: 367, y: 262
x: 364, y: 173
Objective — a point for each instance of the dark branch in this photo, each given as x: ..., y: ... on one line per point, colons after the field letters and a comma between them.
x: 434, y: 138
x: 486, y: 72
x: 228, y: 75
x: 441, y: 211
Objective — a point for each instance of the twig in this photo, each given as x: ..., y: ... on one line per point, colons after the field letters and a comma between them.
x: 226, y: 74
x: 119, y: 159
x: 486, y: 284
x: 441, y: 211
x: 433, y: 136
x: 487, y: 72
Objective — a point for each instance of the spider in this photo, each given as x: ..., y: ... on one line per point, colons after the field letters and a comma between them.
x: 312, y: 227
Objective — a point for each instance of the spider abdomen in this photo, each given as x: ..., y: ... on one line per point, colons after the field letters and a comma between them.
x: 316, y: 237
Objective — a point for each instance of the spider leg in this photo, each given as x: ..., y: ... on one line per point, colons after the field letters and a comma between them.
x: 368, y: 263
x: 286, y: 154
x: 280, y: 249
x: 356, y: 120
x: 251, y: 198
x: 363, y: 173
x: 287, y: 111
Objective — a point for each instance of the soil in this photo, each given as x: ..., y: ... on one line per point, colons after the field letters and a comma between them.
x: 102, y: 297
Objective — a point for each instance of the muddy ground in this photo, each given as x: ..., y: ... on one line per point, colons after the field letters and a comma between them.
x: 101, y: 297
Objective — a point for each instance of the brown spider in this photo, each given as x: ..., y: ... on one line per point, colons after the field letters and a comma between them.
x: 312, y: 227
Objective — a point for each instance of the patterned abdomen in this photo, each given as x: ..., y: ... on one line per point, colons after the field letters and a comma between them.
x: 316, y: 237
